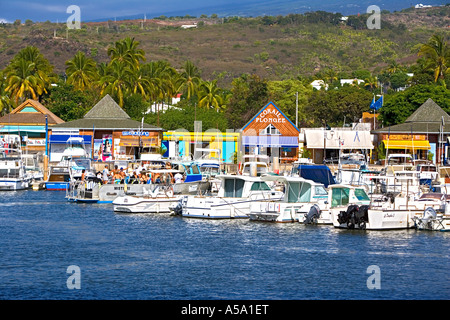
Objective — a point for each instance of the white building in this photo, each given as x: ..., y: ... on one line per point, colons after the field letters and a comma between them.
x: 419, y: 6
x: 163, y: 107
x: 319, y: 84
x: 351, y: 81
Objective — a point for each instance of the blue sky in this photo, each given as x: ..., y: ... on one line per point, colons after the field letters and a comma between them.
x: 55, y: 10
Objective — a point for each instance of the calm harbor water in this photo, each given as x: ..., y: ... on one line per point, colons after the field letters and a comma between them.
x: 173, y: 258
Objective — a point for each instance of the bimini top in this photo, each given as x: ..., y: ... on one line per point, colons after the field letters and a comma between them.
x: 318, y: 173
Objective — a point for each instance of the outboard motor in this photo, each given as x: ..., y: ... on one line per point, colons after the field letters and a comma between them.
x: 428, y: 215
x: 313, y: 214
x: 177, y: 209
x: 345, y: 217
x: 361, y: 216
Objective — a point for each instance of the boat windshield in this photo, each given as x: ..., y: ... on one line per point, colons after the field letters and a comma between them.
x: 85, y: 163
x: 210, y: 169
x: 260, y: 169
x: 340, y: 197
x: 260, y: 186
x: 320, y: 191
x: 298, y: 192
x: 361, y: 195
x: 195, y: 169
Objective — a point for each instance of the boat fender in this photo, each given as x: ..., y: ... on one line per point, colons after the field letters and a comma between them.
x: 313, y: 214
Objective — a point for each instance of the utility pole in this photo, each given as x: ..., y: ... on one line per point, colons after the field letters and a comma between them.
x: 296, y: 109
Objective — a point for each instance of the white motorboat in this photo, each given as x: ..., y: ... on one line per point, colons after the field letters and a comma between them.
x: 303, y: 201
x: 433, y: 220
x: 397, y: 212
x: 427, y: 173
x: 209, y: 166
x: 13, y: 174
x: 255, y: 165
x: 436, y: 215
x: 158, y: 200
x: 73, y: 161
x: 233, y: 199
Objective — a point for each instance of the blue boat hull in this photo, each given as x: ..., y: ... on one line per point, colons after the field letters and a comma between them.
x: 56, y: 186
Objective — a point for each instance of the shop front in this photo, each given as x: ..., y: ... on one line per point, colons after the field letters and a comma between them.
x: 416, y: 144
x: 326, y: 146
x: 109, y: 134
x: 180, y: 144
x: 271, y: 133
x: 131, y: 144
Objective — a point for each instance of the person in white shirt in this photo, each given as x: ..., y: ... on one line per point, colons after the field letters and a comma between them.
x: 105, y: 175
x: 178, y: 177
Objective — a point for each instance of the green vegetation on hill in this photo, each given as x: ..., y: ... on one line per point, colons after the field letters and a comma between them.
x: 227, y: 69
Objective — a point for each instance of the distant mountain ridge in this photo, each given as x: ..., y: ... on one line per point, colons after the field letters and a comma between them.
x: 253, y: 8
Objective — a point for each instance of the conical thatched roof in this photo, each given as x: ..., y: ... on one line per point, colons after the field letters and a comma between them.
x: 427, y: 119
x: 106, y: 115
x: 429, y: 112
x: 106, y: 108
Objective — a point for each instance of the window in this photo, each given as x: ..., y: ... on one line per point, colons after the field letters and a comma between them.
x: 195, y: 169
x: 360, y: 194
x: 270, y: 130
x: 340, y: 197
x: 320, y: 191
x: 299, y: 192
x: 259, y: 186
x: 233, y: 188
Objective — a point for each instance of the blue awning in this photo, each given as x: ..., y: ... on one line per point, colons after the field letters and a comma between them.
x: 270, y: 141
x: 62, y: 138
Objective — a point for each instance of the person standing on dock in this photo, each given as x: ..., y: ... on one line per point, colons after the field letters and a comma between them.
x: 105, y: 173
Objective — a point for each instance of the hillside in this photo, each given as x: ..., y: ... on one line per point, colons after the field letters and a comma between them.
x: 272, y: 47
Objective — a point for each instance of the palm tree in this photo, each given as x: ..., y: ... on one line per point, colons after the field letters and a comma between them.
x: 330, y: 75
x: 225, y: 98
x: 28, y: 75
x: 42, y: 67
x: 394, y: 67
x: 141, y: 84
x: 371, y: 83
x: 209, y: 95
x: 81, y: 71
x: 437, y: 52
x: 5, y: 101
x: 191, y: 78
x: 117, y: 81
x: 151, y: 71
x: 22, y: 83
x: 126, y: 51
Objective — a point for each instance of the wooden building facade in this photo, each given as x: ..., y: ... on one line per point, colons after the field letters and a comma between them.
x: 271, y: 133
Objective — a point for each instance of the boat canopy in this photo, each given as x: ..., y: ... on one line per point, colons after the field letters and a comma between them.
x: 318, y: 173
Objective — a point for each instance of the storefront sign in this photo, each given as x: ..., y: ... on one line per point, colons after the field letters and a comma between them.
x: 135, y: 133
x: 270, y: 115
x: 36, y: 142
x: 404, y: 137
